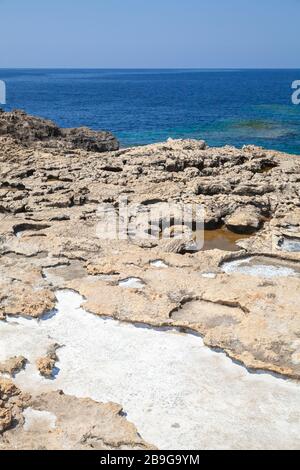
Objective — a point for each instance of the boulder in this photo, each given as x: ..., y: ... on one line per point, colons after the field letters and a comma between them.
x: 244, y: 220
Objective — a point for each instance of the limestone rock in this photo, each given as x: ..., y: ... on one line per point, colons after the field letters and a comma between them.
x: 246, y: 219
x: 92, y: 141
x: 46, y: 364
x: 13, y: 365
x: 12, y: 402
x: 54, y: 421
x: 50, y: 197
x: 29, y: 130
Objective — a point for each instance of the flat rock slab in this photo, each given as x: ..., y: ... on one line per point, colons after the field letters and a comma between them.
x: 53, y: 187
x: 179, y: 393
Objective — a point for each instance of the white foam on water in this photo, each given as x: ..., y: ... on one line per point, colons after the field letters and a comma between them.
x: 132, y: 283
x: 260, y: 270
x: 179, y: 393
x: 37, y: 421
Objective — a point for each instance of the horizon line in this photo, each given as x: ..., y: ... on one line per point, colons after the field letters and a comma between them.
x: 147, y: 68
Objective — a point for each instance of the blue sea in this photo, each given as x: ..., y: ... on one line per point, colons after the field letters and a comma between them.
x: 235, y: 107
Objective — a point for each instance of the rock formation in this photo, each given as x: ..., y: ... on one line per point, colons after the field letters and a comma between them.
x: 13, y: 365
x: 29, y: 130
x: 54, y: 421
x: 52, y: 185
x: 45, y: 365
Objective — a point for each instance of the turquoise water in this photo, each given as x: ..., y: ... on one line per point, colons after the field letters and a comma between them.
x: 142, y: 106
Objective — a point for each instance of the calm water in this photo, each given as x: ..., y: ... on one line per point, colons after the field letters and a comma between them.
x: 141, y: 106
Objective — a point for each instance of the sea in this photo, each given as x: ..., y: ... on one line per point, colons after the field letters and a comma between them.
x: 223, y: 107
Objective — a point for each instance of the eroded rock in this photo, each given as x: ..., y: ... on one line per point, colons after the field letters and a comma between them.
x: 244, y: 220
x: 30, y: 130
x: 13, y: 365
x: 12, y: 402
x: 56, y: 421
x: 50, y: 194
x: 46, y: 364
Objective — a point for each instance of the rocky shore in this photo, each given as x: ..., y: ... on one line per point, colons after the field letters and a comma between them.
x: 243, y: 302
x: 34, y: 131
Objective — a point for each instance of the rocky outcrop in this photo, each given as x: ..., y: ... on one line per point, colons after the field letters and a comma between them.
x: 54, y: 421
x: 12, y: 402
x: 13, y: 365
x: 45, y: 365
x: 50, y: 205
x: 29, y: 130
x: 245, y: 219
x: 51, y: 202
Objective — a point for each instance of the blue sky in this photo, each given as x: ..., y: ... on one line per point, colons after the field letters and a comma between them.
x: 150, y: 33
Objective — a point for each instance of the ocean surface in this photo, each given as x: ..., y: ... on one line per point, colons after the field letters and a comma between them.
x: 234, y: 107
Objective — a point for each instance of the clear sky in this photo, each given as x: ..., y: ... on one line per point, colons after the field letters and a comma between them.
x: 150, y: 33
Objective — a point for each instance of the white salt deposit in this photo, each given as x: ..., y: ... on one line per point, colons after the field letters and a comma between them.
x: 179, y: 393
x: 291, y: 245
x: 132, y: 283
x: 35, y: 420
x: 250, y: 268
x: 158, y: 263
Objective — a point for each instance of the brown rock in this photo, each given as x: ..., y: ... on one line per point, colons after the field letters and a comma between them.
x: 13, y: 365
x: 12, y: 402
x: 46, y: 364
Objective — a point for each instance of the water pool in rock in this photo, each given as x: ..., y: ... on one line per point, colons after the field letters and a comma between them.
x: 221, y: 239
x: 262, y: 266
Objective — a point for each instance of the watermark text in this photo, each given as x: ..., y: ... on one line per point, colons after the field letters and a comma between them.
x: 149, y: 222
x: 2, y: 92
x: 296, y: 94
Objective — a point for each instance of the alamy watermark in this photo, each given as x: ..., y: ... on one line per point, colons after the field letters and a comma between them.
x: 296, y: 94
x: 152, y: 221
x: 2, y: 92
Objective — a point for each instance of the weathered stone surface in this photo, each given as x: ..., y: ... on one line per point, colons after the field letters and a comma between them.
x: 12, y: 402
x: 13, y: 365
x: 244, y: 220
x: 75, y: 424
x: 49, y: 210
x: 46, y: 364
x: 50, y: 202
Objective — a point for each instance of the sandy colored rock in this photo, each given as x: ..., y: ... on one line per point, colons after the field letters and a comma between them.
x: 46, y: 364
x: 5, y: 419
x: 255, y: 321
x: 244, y: 220
x: 12, y: 365
x: 30, y: 303
x: 49, y: 238
x: 50, y: 201
x: 75, y: 424
x: 12, y: 402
